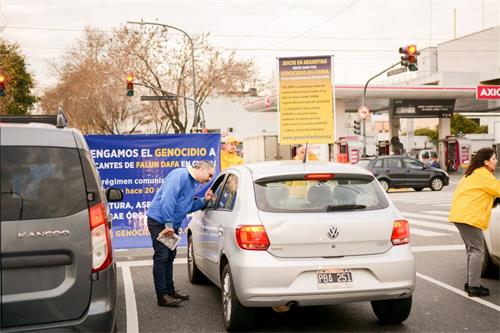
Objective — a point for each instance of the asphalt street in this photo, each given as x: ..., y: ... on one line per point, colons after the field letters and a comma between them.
x: 439, y: 303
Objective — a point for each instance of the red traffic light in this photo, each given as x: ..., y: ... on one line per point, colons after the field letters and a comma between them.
x: 130, y: 85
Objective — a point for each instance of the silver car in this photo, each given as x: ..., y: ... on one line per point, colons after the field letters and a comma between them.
x: 491, y: 261
x: 283, y: 234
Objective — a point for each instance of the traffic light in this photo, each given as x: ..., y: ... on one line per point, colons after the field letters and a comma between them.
x: 2, y: 85
x: 409, y: 57
x: 357, y: 127
x: 130, y: 85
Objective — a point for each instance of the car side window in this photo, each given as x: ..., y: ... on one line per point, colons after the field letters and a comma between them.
x: 378, y: 163
x: 413, y: 164
x: 228, y: 196
x: 393, y: 163
x: 217, y: 189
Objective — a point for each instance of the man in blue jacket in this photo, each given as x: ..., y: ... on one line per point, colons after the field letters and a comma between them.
x: 171, y: 204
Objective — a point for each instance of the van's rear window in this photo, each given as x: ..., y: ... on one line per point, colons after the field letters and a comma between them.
x: 339, y: 194
x: 40, y: 182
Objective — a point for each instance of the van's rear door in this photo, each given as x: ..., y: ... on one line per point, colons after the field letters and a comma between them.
x: 45, y: 244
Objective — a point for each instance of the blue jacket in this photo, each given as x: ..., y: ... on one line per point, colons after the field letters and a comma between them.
x: 175, y: 199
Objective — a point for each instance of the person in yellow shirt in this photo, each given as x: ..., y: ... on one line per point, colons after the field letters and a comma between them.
x: 228, y: 155
x: 301, y: 152
x: 471, y: 210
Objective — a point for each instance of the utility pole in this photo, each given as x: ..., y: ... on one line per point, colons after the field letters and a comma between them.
x: 196, y: 115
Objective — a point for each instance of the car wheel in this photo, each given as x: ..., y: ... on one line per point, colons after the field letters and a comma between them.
x: 488, y: 268
x: 436, y: 184
x: 418, y: 189
x: 385, y: 184
x: 392, y: 311
x: 236, y: 316
x: 194, y: 273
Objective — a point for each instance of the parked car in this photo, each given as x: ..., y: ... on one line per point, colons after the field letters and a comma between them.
x: 396, y: 171
x: 491, y: 261
x: 284, y: 234
x: 57, y: 267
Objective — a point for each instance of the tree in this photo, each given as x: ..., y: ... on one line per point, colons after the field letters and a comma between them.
x: 18, y: 81
x: 460, y: 124
x: 91, y: 88
x: 432, y: 134
x: 166, y: 66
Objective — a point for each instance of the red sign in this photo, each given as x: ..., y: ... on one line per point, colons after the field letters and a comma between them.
x: 488, y: 92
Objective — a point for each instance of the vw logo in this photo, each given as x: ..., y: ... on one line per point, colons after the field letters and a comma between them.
x: 332, y: 232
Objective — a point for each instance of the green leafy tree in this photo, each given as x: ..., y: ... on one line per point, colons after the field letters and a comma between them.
x: 18, y: 81
x: 432, y: 134
x: 460, y: 124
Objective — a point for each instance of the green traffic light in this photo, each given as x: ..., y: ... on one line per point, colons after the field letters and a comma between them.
x: 130, y: 93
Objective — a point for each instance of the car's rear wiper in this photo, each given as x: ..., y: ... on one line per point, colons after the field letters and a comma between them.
x: 331, y: 208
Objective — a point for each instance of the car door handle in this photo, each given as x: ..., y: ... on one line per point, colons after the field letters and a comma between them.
x: 220, y: 230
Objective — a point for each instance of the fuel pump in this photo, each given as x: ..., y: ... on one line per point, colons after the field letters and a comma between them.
x: 457, y: 153
x: 349, y: 149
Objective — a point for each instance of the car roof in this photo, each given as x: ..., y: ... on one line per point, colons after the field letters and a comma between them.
x: 290, y: 167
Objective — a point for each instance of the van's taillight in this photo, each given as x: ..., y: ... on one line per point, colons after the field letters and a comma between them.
x: 102, y: 256
x: 400, y: 232
x: 252, y: 237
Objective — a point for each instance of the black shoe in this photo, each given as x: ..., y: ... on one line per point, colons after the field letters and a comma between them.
x: 478, y: 291
x: 466, y: 287
x: 179, y: 296
x: 166, y: 300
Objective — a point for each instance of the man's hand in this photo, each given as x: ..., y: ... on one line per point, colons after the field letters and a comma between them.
x: 209, y: 195
x: 168, y: 232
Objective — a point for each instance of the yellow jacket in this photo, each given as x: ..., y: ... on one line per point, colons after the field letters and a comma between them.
x: 473, y: 198
x: 228, y: 159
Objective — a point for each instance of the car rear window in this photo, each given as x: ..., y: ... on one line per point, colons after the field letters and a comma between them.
x: 363, y: 163
x: 341, y: 193
x: 40, y: 183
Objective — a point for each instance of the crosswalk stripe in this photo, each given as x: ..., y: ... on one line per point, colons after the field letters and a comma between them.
x: 435, y: 225
x: 425, y: 216
x: 438, y: 212
x: 443, y: 205
x: 425, y: 233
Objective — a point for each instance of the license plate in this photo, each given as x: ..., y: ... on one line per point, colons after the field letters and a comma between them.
x: 334, y: 278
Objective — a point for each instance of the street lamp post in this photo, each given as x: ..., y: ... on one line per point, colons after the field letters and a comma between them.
x: 192, y: 61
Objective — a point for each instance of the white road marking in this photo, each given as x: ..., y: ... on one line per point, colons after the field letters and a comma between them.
x: 438, y: 212
x: 130, y: 304
x: 436, y: 225
x: 149, y: 262
x: 442, y: 205
x: 459, y: 292
x: 425, y: 216
x: 438, y: 248
x: 425, y: 233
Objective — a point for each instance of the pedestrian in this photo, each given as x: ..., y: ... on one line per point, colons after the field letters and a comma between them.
x: 228, y: 155
x: 435, y: 163
x: 301, y: 151
x: 470, y: 212
x: 171, y: 204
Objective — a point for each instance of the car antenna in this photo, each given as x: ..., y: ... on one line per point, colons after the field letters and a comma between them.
x: 305, y: 153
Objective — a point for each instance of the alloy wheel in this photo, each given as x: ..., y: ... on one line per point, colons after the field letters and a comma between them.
x: 227, y: 297
x: 437, y: 184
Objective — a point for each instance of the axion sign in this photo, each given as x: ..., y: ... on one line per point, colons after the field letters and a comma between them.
x: 488, y: 92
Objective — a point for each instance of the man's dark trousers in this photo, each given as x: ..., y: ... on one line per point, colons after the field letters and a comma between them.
x: 163, y: 261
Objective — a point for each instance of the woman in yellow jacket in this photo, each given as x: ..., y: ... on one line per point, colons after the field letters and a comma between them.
x: 471, y: 210
x: 228, y: 155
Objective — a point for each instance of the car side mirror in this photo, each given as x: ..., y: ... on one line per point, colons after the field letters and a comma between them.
x: 114, y: 194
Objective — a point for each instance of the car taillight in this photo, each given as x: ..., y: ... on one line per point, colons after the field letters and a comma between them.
x: 319, y: 176
x: 99, y: 233
x: 252, y: 237
x: 400, y: 232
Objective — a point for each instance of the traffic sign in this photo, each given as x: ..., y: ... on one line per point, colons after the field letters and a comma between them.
x: 396, y: 71
x: 159, y: 98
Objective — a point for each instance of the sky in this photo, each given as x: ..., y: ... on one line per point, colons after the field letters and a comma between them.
x: 363, y: 35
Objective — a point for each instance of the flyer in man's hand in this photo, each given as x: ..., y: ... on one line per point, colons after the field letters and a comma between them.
x: 169, y: 241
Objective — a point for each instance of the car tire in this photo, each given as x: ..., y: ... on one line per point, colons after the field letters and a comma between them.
x: 437, y: 184
x: 237, y: 318
x: 392, y: 311
x: 385, y: 184
x: 194, y: 273
x: 488, y: 269
x: 418, y: 189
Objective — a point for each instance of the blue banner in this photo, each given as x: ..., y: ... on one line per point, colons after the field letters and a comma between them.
x: 138, y: 164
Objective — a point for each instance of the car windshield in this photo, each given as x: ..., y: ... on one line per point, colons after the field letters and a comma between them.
x: 363, y: 163
x: 295, y: 194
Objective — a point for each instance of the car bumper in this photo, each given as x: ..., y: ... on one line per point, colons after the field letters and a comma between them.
x: 263, y: 280
x: 100, y: 316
